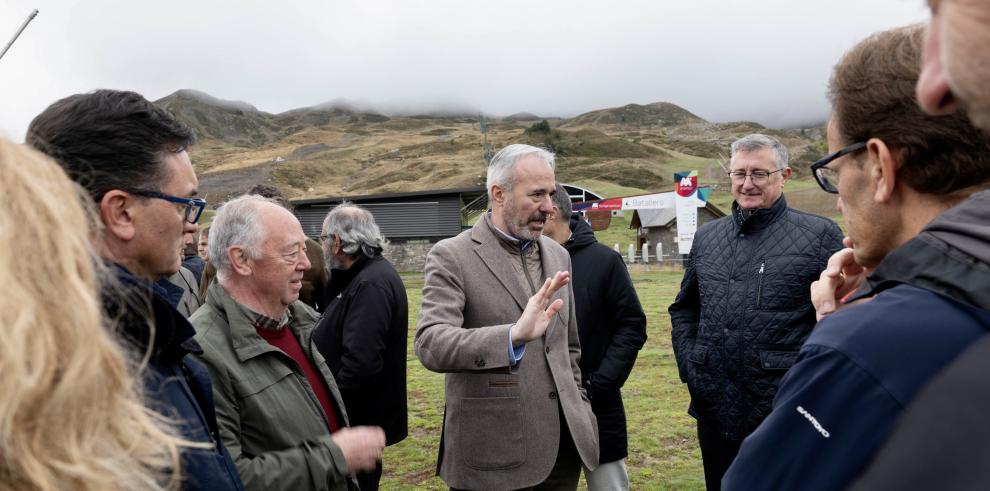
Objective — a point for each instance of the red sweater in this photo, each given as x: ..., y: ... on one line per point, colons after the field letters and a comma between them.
x: 285, y: 341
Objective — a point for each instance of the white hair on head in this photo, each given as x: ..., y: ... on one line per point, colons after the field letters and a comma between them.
x: 502, y: 164
x: 237, y: 222
x: 356, y: 228
x: 759, y: 141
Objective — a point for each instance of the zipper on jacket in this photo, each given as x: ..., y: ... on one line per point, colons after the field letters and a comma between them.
x: 522, y: 254
x: 759, y: 284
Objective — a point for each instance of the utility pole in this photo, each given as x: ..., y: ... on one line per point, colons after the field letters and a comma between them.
x: 486, y: 148
x: 27, y: 21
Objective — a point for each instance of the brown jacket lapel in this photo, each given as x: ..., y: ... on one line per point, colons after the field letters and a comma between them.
x: 493, y: 255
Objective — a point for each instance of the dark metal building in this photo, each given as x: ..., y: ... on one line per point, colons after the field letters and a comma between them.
x: 412, y: 222
x: 431, y: 214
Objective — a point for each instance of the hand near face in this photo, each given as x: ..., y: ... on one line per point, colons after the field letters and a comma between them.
x: 841, y: 276
x: 539, y: 310
x: 361, y: 445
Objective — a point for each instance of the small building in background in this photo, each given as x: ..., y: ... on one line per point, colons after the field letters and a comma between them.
x: 659, y: 226
x: 414, y: 221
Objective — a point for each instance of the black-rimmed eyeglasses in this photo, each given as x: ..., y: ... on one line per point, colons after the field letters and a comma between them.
x: 194, y: 206
x: 757, y: 176
x: 826, y: 177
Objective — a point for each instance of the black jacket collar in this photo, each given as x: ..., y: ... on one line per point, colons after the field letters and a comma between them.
x: 340, y: 278
x: 581, y: 234
x: 759, y: 219
x: 146, y: 318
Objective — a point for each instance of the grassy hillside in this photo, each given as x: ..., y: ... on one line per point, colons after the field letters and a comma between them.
x: 335, y: 149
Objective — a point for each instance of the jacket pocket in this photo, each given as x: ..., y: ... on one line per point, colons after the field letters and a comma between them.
x: 778, y: 360
x: 489, y: 434
x: 696, y: 358
x: 257, y: 380
x: 698, y: 355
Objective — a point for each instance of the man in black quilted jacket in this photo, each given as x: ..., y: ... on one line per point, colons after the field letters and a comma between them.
x: 744, y: 308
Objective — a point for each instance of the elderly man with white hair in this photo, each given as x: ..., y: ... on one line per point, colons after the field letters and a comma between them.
x: 277, y: 404
x: 364, y: 331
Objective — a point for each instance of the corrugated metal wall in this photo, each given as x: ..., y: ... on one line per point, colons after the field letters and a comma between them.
x: 398, y: 218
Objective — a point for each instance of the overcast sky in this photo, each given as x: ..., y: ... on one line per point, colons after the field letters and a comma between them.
x: 724, y: 60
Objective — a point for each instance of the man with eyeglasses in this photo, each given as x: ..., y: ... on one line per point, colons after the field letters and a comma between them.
x: 943, y: 441
x: 744, y: 308
x: 279, y: 409
x: 130, y: 157
x: 896, y: 172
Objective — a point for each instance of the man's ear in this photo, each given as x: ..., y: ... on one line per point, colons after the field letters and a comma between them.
x: 117, y: 211
x: 239, y: 260
x: 786, y: 174
x: 498, y: 195
x: 883, y: 166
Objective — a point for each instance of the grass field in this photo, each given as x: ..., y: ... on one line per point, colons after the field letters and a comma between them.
x: 663, y: 451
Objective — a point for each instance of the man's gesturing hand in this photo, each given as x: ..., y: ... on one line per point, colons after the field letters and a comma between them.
x: 841, y: 276
x: 534, y: 320
x: 361, y: 445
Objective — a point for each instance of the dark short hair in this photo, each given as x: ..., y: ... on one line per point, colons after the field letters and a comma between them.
x: 110, y: 139
x: 271, y: 192
x: 872, y: 95
x: 562, y: 200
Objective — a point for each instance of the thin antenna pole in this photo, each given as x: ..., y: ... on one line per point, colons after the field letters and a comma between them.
x: 27, y: 21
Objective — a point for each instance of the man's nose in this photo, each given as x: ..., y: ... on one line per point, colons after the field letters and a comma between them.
x: 304, y: 263
x: 932, y: 89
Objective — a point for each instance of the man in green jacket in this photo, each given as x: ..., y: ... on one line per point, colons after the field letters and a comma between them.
x: 278, y: 407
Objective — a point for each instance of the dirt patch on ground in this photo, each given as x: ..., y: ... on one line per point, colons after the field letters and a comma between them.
x: 217, y: 187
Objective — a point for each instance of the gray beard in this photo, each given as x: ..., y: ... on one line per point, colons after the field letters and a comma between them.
x: 331, y: 261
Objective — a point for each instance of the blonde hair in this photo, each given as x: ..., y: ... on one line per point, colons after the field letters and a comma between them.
x: 71, y: 413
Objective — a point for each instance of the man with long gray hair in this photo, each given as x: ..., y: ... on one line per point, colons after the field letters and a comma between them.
x: 363, y: 334
x: 744, y: 307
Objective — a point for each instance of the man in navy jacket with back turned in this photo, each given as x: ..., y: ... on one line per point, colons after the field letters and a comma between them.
x: 612, y: 329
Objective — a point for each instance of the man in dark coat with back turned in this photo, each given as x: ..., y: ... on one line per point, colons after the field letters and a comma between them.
x: 364, y: 332
x: 612, y: 329
x: 744, y: 308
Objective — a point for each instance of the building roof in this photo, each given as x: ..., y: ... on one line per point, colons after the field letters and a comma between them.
x: 665, y: 217
x: 412, y: 194
x: 656, y: 218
